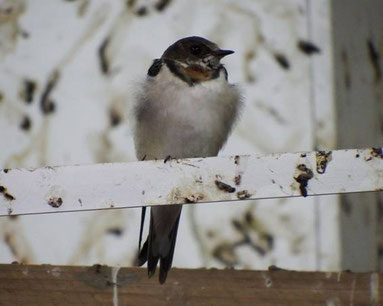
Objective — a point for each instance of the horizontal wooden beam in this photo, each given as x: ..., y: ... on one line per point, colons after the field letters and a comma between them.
x: 101, y: 285
x: 147, y: 183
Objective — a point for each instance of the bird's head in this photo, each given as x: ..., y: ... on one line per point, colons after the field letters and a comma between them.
x: 195, y: 51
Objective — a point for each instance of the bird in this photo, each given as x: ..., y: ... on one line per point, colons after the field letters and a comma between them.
x: 185, y: 108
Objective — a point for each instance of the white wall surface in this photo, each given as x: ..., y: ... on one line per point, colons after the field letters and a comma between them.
x: 45, y: 40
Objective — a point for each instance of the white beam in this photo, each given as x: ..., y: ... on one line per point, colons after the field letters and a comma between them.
x: 120, y: 185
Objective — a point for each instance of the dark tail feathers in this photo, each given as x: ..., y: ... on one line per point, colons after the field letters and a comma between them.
x: 146, y: 253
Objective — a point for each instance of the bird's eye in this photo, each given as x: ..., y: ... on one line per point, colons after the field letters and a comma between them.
x: 195, y: 49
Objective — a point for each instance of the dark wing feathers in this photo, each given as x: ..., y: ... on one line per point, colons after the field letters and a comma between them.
x: 155, y: 68
x: 166, y: 262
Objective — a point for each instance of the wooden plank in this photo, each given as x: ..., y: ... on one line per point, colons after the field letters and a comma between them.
x: 64, y: 285
x: 235, y: 178
x: 357, y: 77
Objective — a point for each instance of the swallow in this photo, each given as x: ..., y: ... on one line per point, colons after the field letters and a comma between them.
x: 185, y: 108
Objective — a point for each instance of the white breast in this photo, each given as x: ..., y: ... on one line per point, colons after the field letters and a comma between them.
x: 184, y: 121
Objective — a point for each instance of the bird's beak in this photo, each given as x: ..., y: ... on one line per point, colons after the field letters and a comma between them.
x: 221, y: 53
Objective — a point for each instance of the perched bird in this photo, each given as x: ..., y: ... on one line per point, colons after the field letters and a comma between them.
x: 186, y: 108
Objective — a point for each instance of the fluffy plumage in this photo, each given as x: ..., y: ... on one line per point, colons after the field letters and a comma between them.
x: 186, y: 108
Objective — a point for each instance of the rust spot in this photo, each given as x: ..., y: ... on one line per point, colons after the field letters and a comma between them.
x: 224, y: 187
x: 6, y: 194
x: 307, y: 47
x: 55, y: 202
x: 303, y: 178
x: 243, y: 195
x: 193, y: 198
x: 237, y: 179
x: 322, y: 160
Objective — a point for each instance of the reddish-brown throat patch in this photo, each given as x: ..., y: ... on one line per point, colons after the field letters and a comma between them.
x: 198, y: 73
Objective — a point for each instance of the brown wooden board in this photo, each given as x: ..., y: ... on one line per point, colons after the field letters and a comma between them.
x: 66, y: 285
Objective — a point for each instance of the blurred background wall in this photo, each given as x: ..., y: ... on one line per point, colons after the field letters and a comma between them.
x: 311, y: 76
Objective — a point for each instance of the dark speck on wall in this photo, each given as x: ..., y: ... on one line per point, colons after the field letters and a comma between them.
x: 46, y: 103
x: 142, y: 11
x: 115, y: 231
x: 308, y: 47
x: 162, y: 5
x: 26, y: 123
x: 103, y: 59
x: 282, y: 61
x: 115, y: 117
x: 375, y: 60
x: 28, y: 91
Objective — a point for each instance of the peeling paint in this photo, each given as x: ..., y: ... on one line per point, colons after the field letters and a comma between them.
x: 243, y: 195
x: 303, y: 178
x: 237, y: 179
x: 322, y: 160
x: 55, y: 202
x: 194, y: 198
x: 377, y: 152
x: 54, y: 196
